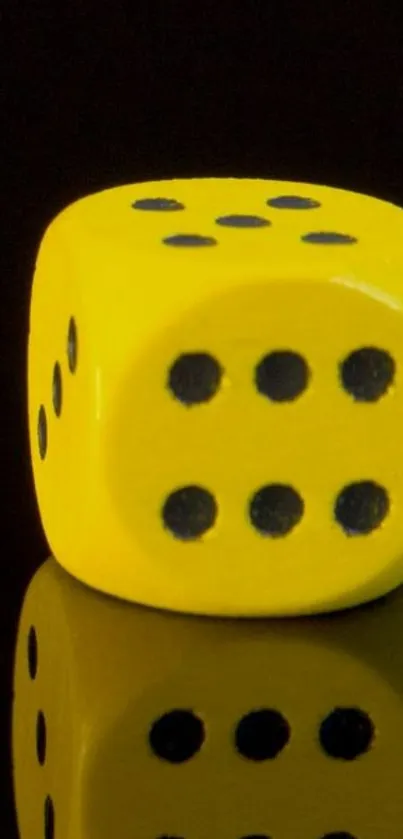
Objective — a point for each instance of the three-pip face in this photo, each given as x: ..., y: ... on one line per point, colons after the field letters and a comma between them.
x: 229, y: 442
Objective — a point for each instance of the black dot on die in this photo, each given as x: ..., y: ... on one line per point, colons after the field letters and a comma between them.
x: 282, y: 375
x: 42, y: 432
x: 57, y: 389
x: 328, y: 237
x: 190, y: 240
x: 242, y: 221
x: 72, y: 345
x: 293, y: 202
x: 177, y: 736
x: 158, y: 204
x: 367, y: 373
x: 276, y: 509
x: 194, y: 378
x: 262, y: 735
x: 346, y: 733
x: 189, y: 512
x: 361, y: 507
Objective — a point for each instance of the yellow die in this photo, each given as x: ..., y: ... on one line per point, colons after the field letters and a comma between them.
x: 134, y: 722
x: 215, y: 395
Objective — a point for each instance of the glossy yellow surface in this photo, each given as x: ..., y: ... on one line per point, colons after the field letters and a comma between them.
x: 123, y: 442
x: 285, y: 728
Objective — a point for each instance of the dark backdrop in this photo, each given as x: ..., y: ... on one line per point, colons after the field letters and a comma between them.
x: 94, y: 94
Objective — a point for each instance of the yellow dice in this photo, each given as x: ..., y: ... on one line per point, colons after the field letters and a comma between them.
x: 134, y: 722
x: 216, y: 398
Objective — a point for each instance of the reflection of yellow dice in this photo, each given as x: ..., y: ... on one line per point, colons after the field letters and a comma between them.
x: 215, y: 395
x: 133, y: 722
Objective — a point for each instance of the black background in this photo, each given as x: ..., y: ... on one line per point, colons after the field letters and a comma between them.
x: 94, y: 94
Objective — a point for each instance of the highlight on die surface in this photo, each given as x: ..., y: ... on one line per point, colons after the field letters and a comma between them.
x: 135, y: 722
x: 215, y: 395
